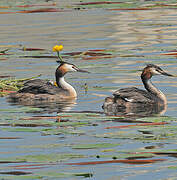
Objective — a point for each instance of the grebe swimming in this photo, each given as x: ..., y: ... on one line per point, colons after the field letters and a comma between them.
x: 132, y: 99
x: 43, y: 90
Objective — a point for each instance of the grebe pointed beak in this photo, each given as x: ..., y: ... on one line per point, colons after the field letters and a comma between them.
x: 81, y: 70
x: 166, y: 74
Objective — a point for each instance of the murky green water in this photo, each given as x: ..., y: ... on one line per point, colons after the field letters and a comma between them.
x: 133, y: 38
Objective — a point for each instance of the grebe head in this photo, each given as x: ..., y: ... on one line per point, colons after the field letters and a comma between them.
x: 152, y: 70
x: 65, y: 67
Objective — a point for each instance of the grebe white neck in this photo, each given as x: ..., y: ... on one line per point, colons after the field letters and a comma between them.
x: 64, y: 85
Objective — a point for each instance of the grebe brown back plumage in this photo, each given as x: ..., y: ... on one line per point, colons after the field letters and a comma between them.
x: 127, y: 99
x: 43, y: 90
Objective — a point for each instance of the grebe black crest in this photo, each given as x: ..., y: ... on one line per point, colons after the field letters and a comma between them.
x: 44, y: 90
x: 133, y: 100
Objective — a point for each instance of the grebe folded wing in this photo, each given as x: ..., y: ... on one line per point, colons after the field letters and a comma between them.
x: 39, y: 86
x: 134, y: 95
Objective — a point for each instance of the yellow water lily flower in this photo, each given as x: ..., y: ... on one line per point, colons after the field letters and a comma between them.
x: 57, y: 48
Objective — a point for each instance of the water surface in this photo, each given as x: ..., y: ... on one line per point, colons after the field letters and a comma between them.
x: 133, y: 37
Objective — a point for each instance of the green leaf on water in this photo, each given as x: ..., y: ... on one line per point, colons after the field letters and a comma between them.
x: 158, y: 119
x: 61, y: 131
x: 21, y: 129
x: 69, y: 123
x: 25, y: 177
x: 109, y: 5
x: 21, y: 109
x: 35, y: 123
x: 79, y: 116
x: 46, y: 175
x: 172, y: 167
x: 48, y: 131
x: 42, y: 146
x: 94, y: 146
x: 26, y: 123
x: 88, y: 117
x: 45, y: 158
x: 119, y: 135
x: 127, y: 155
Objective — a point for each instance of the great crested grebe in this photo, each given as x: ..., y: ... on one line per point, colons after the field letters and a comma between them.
x: 132, y: 99
x: 43, y: 90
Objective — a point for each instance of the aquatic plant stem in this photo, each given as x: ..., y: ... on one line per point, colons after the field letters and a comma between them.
x: 59, y: 56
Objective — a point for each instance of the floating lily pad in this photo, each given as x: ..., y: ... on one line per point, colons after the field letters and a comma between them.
x: 89, y: 117
x: 61, y: 131
x: 157, y: 133
x: 47, y: 158
x: 107, y: 4
x: 172, y: 167
x: 127, y: 155
x: 42, y: 146
x: 38, y: 123
x: 120, y: 135
x: 94, y: 146
x: 22, y: 109
x: 158, y: 119
x: 28, y: 177
x: 20, y: 129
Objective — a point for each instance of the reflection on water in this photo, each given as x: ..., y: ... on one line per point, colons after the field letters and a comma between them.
x: 141, y: 29
x: 47, y: 107
x: 135, y: 109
